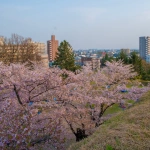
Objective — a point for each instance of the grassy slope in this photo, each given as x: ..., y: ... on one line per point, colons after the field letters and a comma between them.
x: 129, y: 130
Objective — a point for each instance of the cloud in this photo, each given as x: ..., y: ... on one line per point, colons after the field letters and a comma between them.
x: 89, y: 14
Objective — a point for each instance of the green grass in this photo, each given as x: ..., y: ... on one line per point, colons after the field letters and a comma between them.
x: 145, y: 82
x: 128, y: 130
x: 129, y: 85
x: 131, y: 101
x: 113, y: 109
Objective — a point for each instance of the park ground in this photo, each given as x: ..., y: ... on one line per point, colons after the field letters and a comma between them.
x: 127, y: 130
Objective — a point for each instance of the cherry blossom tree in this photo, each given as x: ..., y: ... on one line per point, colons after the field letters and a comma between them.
x: 24, y: 97
x: 39, y: 106
x: 85, y: 103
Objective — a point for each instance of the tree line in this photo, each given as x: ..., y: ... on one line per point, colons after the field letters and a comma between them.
x: 19, y: 49
x: 140, y: 65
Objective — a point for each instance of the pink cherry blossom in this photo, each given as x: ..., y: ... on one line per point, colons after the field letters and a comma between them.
x: 38, y: 106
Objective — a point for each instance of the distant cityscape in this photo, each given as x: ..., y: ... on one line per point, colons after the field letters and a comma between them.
x: 90, y: 56
x: 94, y: 56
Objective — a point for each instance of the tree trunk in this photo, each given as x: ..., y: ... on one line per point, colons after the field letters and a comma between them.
x: 80, y: 135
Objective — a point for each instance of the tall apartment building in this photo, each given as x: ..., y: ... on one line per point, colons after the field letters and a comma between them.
x: 52, y: 48
x: 144, y: 47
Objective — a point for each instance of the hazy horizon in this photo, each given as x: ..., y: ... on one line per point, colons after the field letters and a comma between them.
x: 85, y: 24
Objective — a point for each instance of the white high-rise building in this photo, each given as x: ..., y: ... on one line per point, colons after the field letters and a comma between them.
x: 144, y: 47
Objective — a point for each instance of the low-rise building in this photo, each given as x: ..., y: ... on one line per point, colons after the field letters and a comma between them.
x: 93, y: 62
x: 126, y: 51
x: 41, y: 47
x: 26, y: 49
x: 44, y: 59
x: 1, y: 40
x: 148, y: 58
x: 78, y: 60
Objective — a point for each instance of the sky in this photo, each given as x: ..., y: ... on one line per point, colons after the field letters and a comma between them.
x: 85, y: 24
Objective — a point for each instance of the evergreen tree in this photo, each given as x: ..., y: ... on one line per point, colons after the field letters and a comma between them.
x: 123, y: 56
x: 134, y: 58
x: 65, y: 57
x: 138, y: 64
x: 106, y: 58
